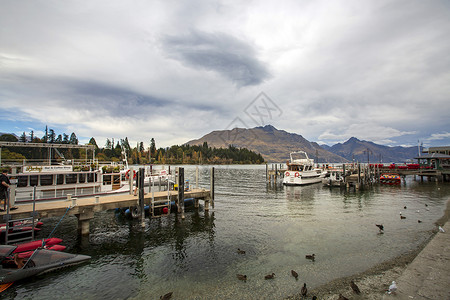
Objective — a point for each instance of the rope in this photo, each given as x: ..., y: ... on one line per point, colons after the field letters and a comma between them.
x: 68, y: 208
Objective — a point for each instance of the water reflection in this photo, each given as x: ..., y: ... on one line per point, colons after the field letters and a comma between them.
x: 196, y: 258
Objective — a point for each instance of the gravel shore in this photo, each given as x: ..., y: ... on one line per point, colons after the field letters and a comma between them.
x: 374, y: 282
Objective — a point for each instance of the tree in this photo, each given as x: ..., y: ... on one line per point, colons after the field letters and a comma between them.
x: 152, y: 148
x: 23, y: 138
x: 108, y: 144
x: 51, y: 136
x: 93, y: 142
x: 141, y: 147
x: 65, y: 138
x: 8, y: 138
x: 45, y: 138
x: 73, y: 139
x: 59, y: 139
x: 32, y: 136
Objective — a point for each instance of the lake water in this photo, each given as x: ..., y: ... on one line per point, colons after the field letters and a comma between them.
x: 277, y: 226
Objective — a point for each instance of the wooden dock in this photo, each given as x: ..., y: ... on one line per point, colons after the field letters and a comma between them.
x: 84, y: 208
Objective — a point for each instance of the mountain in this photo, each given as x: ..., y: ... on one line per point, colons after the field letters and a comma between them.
x: 363, y: 150
x: 273, y: 144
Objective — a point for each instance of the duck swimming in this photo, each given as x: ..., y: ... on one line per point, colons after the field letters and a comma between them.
x: 270, y: 276
x: 242, y: 277
x: 295, y: 274
x: 312, y: 256
x: 239, y: 251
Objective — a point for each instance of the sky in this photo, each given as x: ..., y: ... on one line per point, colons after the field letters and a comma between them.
x: 177, y: 70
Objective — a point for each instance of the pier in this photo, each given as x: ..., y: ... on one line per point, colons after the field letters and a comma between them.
x: 85, y: 208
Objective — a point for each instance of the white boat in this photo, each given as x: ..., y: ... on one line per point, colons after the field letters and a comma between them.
x: 301, y: 170
x: 55, y: 182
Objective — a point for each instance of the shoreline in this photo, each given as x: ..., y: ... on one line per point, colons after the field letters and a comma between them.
x: 373, y: 282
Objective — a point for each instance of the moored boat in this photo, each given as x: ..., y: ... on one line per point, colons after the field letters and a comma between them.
x: 390, y: 179
x: 41, y: 261
x: 301, y: 171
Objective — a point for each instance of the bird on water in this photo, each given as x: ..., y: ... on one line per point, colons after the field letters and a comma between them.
x: 341, y: 297
x: 295, y: 274
x: 381, y: 227
x: 312, y: 256
x: 270, y: 276
x: 355, y: 288
x: 239, y: 251
x: 242, y: 277
x: 166, y: 296
x: 402, y: 217
x: 304, y: 290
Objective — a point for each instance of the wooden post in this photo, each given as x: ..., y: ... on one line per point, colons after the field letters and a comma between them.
x: 266, y: 171
x: 130, y: 180
x: 343, y: 172
x: 212, y: 187
x: 140, y: 181
x: 196, y: 177
x: 180, y: 204
x: 359, y: 172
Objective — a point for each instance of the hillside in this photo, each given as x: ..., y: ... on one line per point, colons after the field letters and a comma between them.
x: 273, y: 144
x: 363, y: 150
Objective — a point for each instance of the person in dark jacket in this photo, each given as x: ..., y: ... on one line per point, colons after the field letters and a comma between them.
x: 4, y: 186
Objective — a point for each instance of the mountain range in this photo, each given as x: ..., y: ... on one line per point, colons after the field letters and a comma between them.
x: 275, y: 146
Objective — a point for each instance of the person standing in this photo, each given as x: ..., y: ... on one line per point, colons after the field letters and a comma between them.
x: 4, y: 186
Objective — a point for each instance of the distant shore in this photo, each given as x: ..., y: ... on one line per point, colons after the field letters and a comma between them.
x: 373, y: 282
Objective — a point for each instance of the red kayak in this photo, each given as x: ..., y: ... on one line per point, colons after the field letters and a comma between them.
x: 37, y: 244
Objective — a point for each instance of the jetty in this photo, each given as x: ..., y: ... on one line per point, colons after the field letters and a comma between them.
x: 85, y: 208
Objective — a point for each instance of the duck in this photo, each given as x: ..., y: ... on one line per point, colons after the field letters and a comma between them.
x: 270, y: 276
x: 355, y: 288
x: 341, y: 297
x: 166, y: 296
x: 402, y: 217
x: 304, y: 290
x: 419, y: 221
x: 404, y: 207
x: 295, y: 274
x: 381, y: 227
x: 239, y: 251
x: 312, y: 256
x: 242, y: 277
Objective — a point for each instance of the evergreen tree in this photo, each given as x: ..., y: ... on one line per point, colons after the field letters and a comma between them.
x: 152, y: 148
x: 32, y: 136
x: 23, y: 138
x: 108, y: 144
x: 73, y: 139
x: 59, y: 139
x: 93, y: 142
x: 51, y: 136
x: 65, y: 138
x: 45, y: 137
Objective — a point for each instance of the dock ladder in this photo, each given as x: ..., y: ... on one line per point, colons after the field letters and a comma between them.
x: 20, y: 230
x: 159, y: 204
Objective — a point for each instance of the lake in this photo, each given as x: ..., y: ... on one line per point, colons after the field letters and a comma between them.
x: 196, y: 258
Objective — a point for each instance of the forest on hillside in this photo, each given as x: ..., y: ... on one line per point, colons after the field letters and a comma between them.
x: 117, y: 150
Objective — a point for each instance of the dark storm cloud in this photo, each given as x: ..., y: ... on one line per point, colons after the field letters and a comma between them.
x: 219, y: 52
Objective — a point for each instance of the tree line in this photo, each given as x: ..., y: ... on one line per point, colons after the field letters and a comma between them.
x: 116, y: 150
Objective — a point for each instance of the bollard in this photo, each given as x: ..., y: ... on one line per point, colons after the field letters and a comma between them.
x: 97, y: 199
x: 74, y: 201
x: 69, y: 197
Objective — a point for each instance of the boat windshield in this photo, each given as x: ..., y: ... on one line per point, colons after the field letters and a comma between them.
x: 43, y: 257
x: 5, y: 251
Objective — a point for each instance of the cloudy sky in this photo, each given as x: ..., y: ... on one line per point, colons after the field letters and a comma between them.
x: 176, y: 70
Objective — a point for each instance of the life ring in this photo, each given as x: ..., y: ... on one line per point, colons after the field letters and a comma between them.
x: 127, y: 174
x: 287, y: 174
x: 297, y: 174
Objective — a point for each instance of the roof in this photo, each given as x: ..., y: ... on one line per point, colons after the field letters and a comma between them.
x: 433, y: 155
